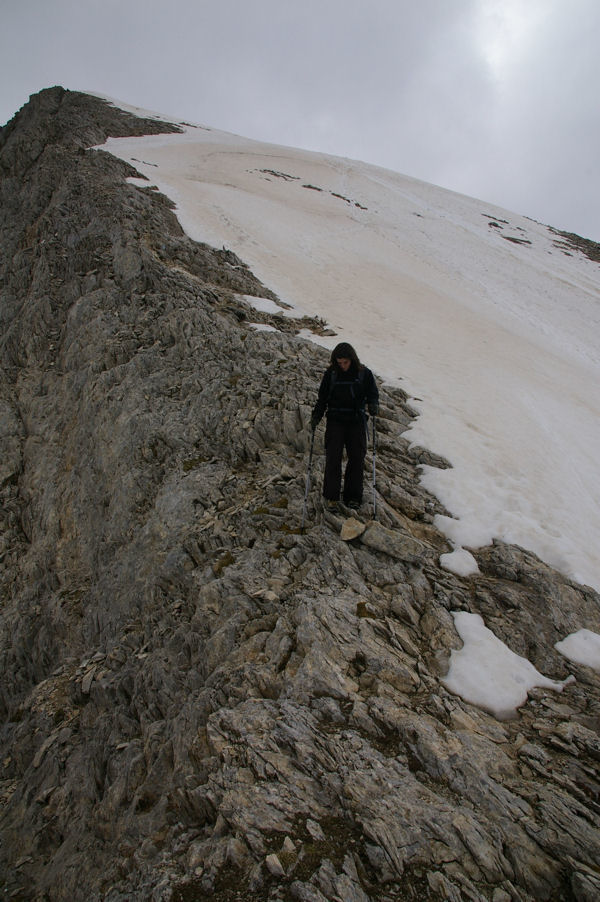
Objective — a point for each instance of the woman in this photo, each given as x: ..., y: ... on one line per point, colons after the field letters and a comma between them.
x: 347, y: 387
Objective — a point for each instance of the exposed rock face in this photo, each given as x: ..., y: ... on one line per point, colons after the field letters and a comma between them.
x: 199, y: 702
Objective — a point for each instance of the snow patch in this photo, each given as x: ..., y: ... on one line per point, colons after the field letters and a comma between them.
x: 139, y: 183
x: 582, y: 647
x: 460, y: 561
x: 486, y: 673
x: 263, y: 327
x: 266, y: 305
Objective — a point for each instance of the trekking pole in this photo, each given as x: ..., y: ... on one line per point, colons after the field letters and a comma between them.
x: 374, y: 457
x: 310, y: 457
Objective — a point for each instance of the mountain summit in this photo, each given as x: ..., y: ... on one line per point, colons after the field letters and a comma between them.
x: 199, y: 699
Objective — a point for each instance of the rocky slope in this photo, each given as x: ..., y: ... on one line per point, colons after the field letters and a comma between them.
x: 198, y: 701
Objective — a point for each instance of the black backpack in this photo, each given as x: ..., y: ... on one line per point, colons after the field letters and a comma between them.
x: 358, y: 408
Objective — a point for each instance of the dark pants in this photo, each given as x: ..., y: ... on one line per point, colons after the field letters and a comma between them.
x: 352, y: 437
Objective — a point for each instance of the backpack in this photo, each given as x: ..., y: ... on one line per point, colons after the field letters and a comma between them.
x: 358, y: 408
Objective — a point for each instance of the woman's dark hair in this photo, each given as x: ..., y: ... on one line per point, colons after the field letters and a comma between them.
x: 344, y: 350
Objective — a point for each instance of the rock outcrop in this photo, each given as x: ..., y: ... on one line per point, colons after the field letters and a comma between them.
x: 199, y: 701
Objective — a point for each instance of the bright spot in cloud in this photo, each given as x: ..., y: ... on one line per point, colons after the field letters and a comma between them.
x: 507, y: 28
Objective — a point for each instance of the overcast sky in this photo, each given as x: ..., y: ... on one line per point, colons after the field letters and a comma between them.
x: 498, y: 99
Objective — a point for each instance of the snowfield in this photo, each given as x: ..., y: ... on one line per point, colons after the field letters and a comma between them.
x: 483, y: 316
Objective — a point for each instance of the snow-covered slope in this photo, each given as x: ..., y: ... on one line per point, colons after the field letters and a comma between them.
x: 480, y: 314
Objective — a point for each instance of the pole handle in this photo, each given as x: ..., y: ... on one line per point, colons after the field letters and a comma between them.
x: 374, y: 458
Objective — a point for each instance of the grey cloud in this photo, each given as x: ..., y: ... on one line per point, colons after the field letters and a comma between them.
x: 400, y: 84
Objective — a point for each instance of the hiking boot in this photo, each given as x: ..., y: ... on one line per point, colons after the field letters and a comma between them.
x: 331, y: 505
x: 353, y: 505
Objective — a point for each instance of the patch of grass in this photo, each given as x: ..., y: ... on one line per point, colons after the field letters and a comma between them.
x: 192, y: 463
x: 224, y: 561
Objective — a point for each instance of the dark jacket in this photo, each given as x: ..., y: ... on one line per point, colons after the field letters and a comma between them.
x: 344, y: 396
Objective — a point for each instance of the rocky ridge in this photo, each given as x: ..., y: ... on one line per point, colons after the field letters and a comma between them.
x: 198, y: 701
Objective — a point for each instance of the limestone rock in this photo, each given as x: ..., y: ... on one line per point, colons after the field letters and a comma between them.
x: 274, y: 866
x: 394, y: 543
x: 352, y: 529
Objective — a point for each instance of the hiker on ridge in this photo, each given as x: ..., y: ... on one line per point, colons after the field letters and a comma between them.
x: 347, y: 387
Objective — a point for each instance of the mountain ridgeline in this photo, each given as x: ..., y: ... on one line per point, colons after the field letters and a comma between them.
x: 197, y: 700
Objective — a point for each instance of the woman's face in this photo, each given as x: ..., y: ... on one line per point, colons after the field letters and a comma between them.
x: 343, y: 363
